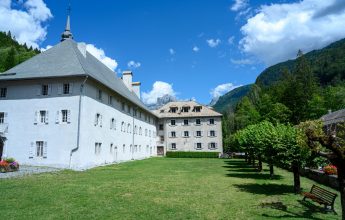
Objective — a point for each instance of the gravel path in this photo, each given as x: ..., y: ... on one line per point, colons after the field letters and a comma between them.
x: 28, y: 170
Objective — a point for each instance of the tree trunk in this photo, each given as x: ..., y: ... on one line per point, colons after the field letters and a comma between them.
x: 260, y: 164
x: 271, y: 169
x: 341, y: 180
x: 296, y: 179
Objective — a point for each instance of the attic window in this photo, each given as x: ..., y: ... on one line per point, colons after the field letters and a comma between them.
x: 173, y: 109
x: 197, y: 109
x: 162, y: 111
x: 185, y: 109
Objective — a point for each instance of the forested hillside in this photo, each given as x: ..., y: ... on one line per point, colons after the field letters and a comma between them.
x: 13, y: 53
x: 328, y: 65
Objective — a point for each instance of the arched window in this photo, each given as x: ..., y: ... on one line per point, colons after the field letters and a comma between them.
x: 123, y: 126
x: 135, y: 130
x: 140, y: 131
x: 129, y: 128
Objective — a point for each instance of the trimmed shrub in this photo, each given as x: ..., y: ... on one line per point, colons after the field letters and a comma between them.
x: 188, y: 154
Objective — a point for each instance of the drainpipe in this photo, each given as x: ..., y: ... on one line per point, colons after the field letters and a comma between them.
x: 79, y: 113
x: 134, y: 109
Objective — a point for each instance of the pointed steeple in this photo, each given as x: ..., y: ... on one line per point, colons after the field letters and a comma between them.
x: 67, y: 34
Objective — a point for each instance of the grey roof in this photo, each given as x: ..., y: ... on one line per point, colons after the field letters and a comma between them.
x: 65, y: 60
x: 334, y: 117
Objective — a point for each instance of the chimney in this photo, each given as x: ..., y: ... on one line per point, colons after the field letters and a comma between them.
x: 127, y: 79
x: 136, y: 88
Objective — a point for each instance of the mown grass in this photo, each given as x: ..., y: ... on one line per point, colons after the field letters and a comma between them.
x: 159, y: 188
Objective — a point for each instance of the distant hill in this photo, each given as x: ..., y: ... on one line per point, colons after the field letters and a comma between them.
x: 328, y: 65
x: 161, y: 101
x: 230, y: 99
x: 13, y: 53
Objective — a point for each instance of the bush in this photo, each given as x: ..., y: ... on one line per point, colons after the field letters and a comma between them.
x: 188, y: 154
x: 330, y: 170
x: 9, y: 160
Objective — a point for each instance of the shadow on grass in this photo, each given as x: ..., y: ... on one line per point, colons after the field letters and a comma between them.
x: 258, y: 176
x: 268, y: 189
x: 307, y: 213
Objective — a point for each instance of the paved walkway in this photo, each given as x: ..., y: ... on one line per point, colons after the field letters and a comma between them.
x: 28, y: 170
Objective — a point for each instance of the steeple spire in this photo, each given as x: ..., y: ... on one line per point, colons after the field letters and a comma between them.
x: 67, y: 34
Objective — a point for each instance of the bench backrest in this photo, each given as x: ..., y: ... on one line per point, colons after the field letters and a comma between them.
x: 325, y: 195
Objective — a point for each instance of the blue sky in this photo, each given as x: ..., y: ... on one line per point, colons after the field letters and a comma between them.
x: 192, y: 47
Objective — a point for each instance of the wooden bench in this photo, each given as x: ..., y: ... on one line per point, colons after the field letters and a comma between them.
x: 321, y: 196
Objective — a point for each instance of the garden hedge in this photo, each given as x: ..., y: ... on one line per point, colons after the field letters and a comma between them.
x: 184, y: 154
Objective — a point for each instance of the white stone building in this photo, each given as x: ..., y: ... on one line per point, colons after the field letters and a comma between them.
x: 188, y: 126
x: 64, y: 108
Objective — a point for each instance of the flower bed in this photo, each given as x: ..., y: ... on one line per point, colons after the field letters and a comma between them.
x: 8, y: 165
x: 330, y: 170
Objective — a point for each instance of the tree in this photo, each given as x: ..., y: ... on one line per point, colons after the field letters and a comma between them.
x: 246, y: 114
x: 329, y: 143
x: 10, y: 59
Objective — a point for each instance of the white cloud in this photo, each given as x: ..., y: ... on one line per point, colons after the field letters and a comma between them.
x: 245, y: 61
x: 133, y: 65
x: 231, y: 40
x: 213, y: 42
x: 222, y: 89
x: 100, y: 55
x: 159, y: 89
x: 239, y: 5
x: 278, y: 31
x: 26, y: 21
x: 196, y: 49
x: 46, y: 48
x: 172, y: 51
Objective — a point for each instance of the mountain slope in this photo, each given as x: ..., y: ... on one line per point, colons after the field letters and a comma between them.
x: 230, y: 99
x: 328, y: 65
x: 13, y: 53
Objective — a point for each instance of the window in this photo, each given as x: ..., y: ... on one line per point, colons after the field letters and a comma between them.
x: 212, y: 145
x: 134, y: 112
x: 113, y: 124
x: 123, y: 126
x: 2, y: 117
x: 44, y: 89
x: 198, y: 133
x: 98, y: 148
x: 123, y: 106
x: 135, y: 129
x: 173, y: 146
x: 110, y: 100
x: 43, y: 117
x: 99, y: 94
x: 111, y: 148
x: 3, y: 92
x: 140, y: 114
x: 211, y: 121
x: 64, y: 114
x: 186, y: 133
x: 185, y: 122
x: 173, y: 122
x: 129, y: 128
x: 149, y: 133
x: 124, y: 148
x: 146, y: 132
x: 129, y: 109
x: 197, y: 109
x: 161, y: 127
x: 212, y: 133
x: 198, y: 121
x: 39, y: 148
x: 140, y: 131
x: 98, y: 120
x: 173, y: 134
x: 198, y: 146
x: 161, y: 138
x: 185, y: 109
x: 66, y: 88
x: 173, y: 109
x: 161, y: 111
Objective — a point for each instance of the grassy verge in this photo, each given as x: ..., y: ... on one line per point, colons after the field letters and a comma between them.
x: 159, y: 188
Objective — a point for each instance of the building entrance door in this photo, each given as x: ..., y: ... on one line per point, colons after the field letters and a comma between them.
x: 1, y: 147
x: 160, y: 151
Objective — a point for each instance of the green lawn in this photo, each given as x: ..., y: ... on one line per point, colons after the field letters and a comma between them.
x: 159, y: 188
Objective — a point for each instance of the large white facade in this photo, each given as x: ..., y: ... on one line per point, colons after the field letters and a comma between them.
x: 56, y: 113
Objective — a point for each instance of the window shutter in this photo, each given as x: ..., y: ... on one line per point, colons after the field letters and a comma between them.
x: 68, y: 116
x: 57, y: 120
x: 31, y: 150
x: 100, y: 119
x: 201, y: 133
x: 95, y: 120
x: 36, y: 118
x: 5, y: 117
x: 195, y: 145
x: 70, y: 88
x: 60, y: 88
x: 38, y: 90
x: 45, y: 149
x: 46, y: 119
x: 49, y: 89
x: 215, y: 134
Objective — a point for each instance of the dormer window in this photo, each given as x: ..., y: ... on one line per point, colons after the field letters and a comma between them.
x: 162, y: 111
x: 173, y: 109
x: 197, y: 109
x: 185, y: 109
